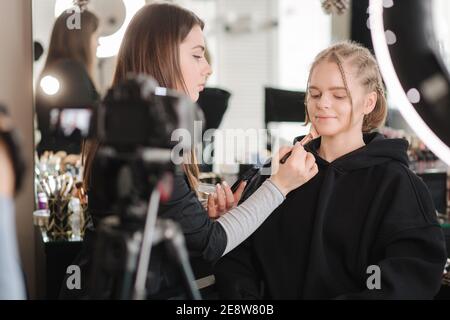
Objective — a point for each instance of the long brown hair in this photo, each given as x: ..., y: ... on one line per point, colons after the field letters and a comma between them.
x: 151, y: 46
x: 367, y: 72
x: 73, y: 43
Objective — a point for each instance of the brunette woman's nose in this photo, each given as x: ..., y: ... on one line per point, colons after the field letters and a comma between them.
x: 207, y: 70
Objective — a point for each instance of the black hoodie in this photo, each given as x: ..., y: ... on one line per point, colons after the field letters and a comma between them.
x: 362, y: 210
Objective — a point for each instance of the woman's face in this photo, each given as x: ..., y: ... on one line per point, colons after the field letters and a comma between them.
x: 329, y: 105
x: 194, y: 67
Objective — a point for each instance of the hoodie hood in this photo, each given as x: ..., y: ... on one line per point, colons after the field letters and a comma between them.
x: 377, y: 150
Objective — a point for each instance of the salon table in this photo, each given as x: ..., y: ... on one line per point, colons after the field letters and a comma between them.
x: 52, y: 260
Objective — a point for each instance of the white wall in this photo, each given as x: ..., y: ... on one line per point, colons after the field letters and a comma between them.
x: 304, y: 31
x: 246, y: 64
x: 242, y: 62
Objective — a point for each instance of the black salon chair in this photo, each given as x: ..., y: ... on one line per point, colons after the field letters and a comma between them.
x: 214, y: 103
x: 284, y: 106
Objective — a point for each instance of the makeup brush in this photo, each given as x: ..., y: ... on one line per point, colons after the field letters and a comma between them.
x: 304, y: 141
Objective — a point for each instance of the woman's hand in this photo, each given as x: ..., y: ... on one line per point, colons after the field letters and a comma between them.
x: 223, y: 199
x: 298, y: 169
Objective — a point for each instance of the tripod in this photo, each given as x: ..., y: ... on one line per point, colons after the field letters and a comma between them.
x: 124, y: 246
x: 155, y: 232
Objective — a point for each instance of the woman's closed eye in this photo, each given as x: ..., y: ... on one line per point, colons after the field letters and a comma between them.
x: 336, y: 96
x: 197, y: 57
x: 315, y: 94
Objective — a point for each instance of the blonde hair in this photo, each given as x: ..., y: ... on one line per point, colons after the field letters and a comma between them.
x: 367, y: 72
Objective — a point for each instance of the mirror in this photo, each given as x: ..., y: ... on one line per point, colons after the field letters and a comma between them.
x: 75, y: 53
x: 422, y: 89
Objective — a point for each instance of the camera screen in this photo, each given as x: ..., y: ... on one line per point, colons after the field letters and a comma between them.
x: 71, y: 121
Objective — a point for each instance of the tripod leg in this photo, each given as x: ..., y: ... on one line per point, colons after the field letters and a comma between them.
x: 133, y: 254
x: 147, y: 243
x: 176, y: 243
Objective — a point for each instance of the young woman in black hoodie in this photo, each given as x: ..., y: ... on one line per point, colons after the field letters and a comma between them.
x: 365, y: 226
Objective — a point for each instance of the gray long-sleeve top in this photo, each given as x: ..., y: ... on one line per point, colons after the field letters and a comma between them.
x: 242, y: 221
x: 209, y: 238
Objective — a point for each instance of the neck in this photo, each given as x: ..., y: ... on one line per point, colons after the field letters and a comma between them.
x: 333, y: 147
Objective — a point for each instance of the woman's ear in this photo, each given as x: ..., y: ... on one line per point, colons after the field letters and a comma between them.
x: 370, y: 103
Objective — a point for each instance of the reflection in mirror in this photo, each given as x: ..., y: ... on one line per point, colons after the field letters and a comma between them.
x: 66, y: 79
x: 79, y: 44
x: 75, y: 47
